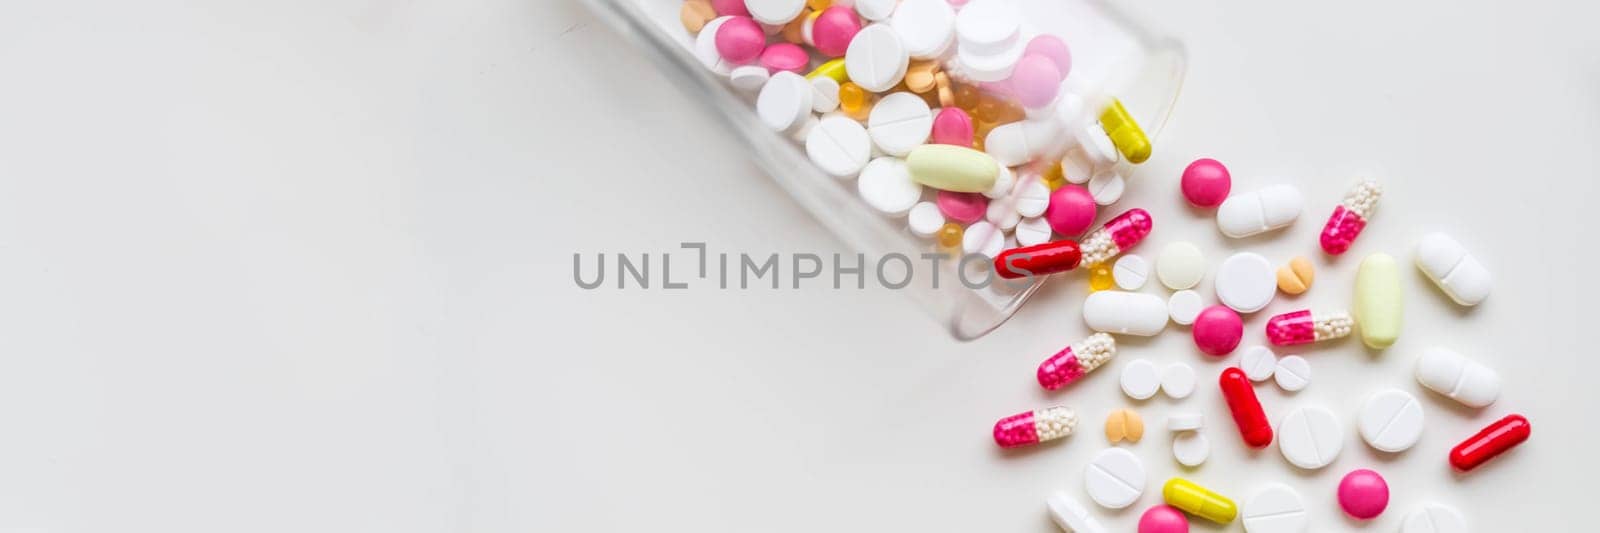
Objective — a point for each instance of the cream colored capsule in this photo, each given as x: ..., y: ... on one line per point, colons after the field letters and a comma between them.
x: 1379, y: 304
x: 952, y: 168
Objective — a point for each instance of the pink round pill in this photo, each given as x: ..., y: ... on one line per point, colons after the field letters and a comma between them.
x: 952, y: 126
x: 1050, y: 46
x: 1071, y: 210
x: 964, y: 207
x: 740, y: 40
x: 1206, y: 183
x: 833, y: 30
x: 1163, y: 519
x: 1035, y: 81
x: 730, y: 7
x: 785, y: 56
x: 1217, y: 330
x: 1363, y: 494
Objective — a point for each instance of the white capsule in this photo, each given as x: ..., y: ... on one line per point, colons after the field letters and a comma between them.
x: 1455, y: 271
x: 1126, y: 313
x: 1259, y: 211
x: 1453, y: 375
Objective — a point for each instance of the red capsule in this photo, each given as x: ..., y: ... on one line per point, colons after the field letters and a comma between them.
x: 1037, y: 260
x: 1494, y: 440
x: 1247, y: 412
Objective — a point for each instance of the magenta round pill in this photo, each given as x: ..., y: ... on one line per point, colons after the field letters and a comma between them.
x: 833, y: 30
x: 730, y: 7
x: 964, y: 207
x: 1071, y: 210
x: 1217, y: 330
x: 952, y: 126
x: 740, y: 40
x: 1206, y: 183
x: 1035, y: 81
x: 1363, y: 494
x: 785, y: 57
x: 1052, y: 47
x: 1163, y: 519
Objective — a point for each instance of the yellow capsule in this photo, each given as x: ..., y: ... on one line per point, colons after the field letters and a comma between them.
x: 1052, y: 176
x: 1100, y: 277
x: 832, y: 68
x: 1199, y: 501
x: 1125, y: 133
x: 950, y: 235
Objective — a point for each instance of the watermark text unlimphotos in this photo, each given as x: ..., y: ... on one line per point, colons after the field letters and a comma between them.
x: 695, y: 266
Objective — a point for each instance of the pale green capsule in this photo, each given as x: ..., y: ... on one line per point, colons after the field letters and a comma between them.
x: 1379, y: 306
x: 952, y: 168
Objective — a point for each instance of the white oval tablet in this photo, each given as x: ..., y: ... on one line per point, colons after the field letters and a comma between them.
x: 1258, y: 363
x: 1115, y: 478
x: 1126, y: 313
x: 785, y: 100
x: 1275, y: 509
x: 900, y: 122
x: 1002, y: 213
x: 839, y: 146
x: 1390, y: 421
x: 1107, y: 186
x: 1130, y: 272
x: 1191, y: 448
x: 749, y: 78
x: 705, y: 47
x: 1177, y: 380
x: 1019, y: 142
x: 1185, y: 421
x: 1292, y: 374
x: 1033, y: 198
x: 875, y: 9
x: 1033, y: 231
x: 1185, y: 306
x: 1455, y: 271
x: 1180, y: 265
x: 1259, y: 211
x: 1003, y: 183
x: 983, y: 238
x: 1140, y: 379
x: 887, y: 186
x: 1072, y: 516
x: 774, y: 11
x: 926, y: 27
x: 1434, y: 518
x: 925, y: 219
x: 824, y: 94
x: 1246, y: 282
x: 1310, y: 437
x: 1453, y: 375
x: 1097, y: 146
x: 875, y: 60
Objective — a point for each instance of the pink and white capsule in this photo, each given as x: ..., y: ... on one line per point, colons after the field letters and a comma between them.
x: 1072, y: 362
x: 1307, y: 326
x: 1350, y: 217
x: 1117, y: 236
x: 1033, y: 427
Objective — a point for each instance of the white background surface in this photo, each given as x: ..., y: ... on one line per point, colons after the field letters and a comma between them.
x: 307, y: 266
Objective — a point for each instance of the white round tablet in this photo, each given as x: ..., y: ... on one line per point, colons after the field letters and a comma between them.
x: 1177, y: 380
x: 1180, y: 266
x: 926, y: 27
x: 875, y: 59
x: 1115, y: 478
x: 1275, y: 509
x: 1140, y: 379
x: 839, y: 146
x: 1033, y: 231
x: 1106, y: 187
x: 1292, y: 373
x: 1032, y: 198
x: 1097, y: 146
x: 1130, y: 272
x: 875, y: 9
x: 989, y: 26
x: 1002, y: 212
x: 988, y: 67
x: 1390, y: 421
x: 1258, y: 362
x: 774, y: 11
x: 1075, y: 166
x: 900, y: 122
x: 1191, y: 448
x: 1310, y: 437
x: 824, y: 94
x: 1246, y: 282
x: 1434, y: 518
x: 785, y: 99
x: 925, y: 219
x: 705, y: 47
x: 1004, y: 181
x: 749, y: 78
x: 983, y: 238
x: 887, y: 186
x: 1188, y: 421
x: 1185, y: 306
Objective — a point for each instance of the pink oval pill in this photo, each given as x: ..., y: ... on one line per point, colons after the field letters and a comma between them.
x: 1071, y: 210
x: 1363, y: 494
x: 832, y: 31
x: 1217, y: 330
x: 1035, y: 80
x: 730, y: 7
x: 964, y: 207
x: 1206, y: 183
x: 1163, y: 519
x: 952, y: 126
x: 740, y: 40
x: 1052, y: 47
x: 786, y: 57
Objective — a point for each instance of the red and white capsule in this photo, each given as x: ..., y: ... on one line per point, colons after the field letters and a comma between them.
x: 1350, y: 217
x: 1117, y: 236
x: 1072, y: 362
x: 1033, y: 427
x: 1306, y: 326
x: 1489, y: 443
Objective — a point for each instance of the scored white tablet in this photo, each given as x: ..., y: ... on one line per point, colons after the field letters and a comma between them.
x: 1115, y: 478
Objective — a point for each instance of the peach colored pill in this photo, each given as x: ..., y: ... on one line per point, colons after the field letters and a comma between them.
x: 1296, y: 277
x: 1124, y: 424
x: 695, y: 14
